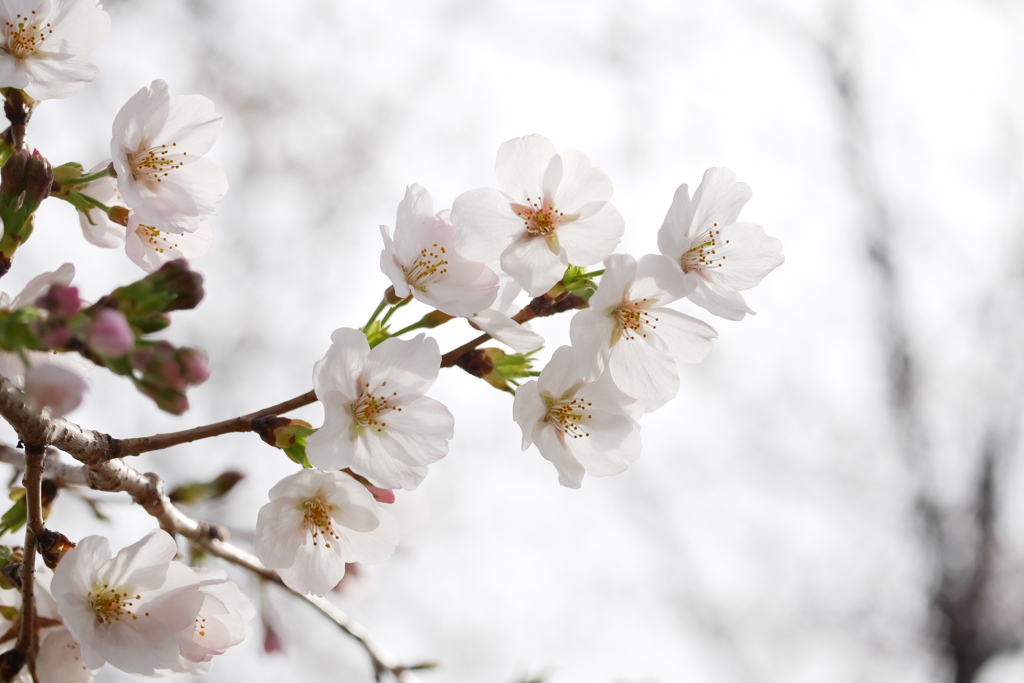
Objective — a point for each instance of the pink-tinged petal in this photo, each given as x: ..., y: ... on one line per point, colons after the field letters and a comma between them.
x: 580, y: 183
x: 58, y: 76
x: 521, y: 165
x: 681, y: 336
x: 333, y: 446
x: 507, y: 331
x: 60, y: 659
x: 391, y: 266
x: 75, y: 569
x: 592, y: 237
x: 419, y: 434
x: 339, y: 370
x: 746, y: 256
x: 673, y: 237
x: 528, y: 409
x: 355, y: 507
x: 561, y: 377
x: 54, y: 387
x: 150, y: 248
x: 38, y: 285
x: 142, y: 648
x: 658, y: 279
x: 317, y: 568
x: 592, y: 332
x: 723, y: 303
x: 373, y: 460
x: 144, y: 563
x: 619, y: 274
x: 413, y: 209
x: 409, y: 366
x: 550, y: 443
x: 147, y: 109
x: 467, y: 288
x: 204, y: 182
x: 375, y: 547
x: 485, y: 224
x: 642, y: 372
x: 191, y: 125
x: 612, y: 442
x: 533, y: 264
x: 279, y: 532
x: 719, y: 199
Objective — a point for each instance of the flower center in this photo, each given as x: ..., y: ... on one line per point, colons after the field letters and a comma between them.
x: 569, y: 415
x: 540, y: 217
x: 317, y: 520
x: 632, y: 319
x: 430, y: 265
x: 155, y: 239
x: 110, y: 604
x: 703, y: 254
x: 154, y: 163
x: 373, y: 405
x: 24, y: 37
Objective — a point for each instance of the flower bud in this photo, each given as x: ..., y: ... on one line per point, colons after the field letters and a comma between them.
x: 61, y: 301
x: 194, y: 365
x: 54, y: 387
x: 52, y: 546
x: 110, y: 335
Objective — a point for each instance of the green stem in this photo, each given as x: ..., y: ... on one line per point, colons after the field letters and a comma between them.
x: 88, y: 178
x: 594, y: 273
x: 380, y: 307
x: 95, y: 202
x: 418, y: 325
x: 387, y: 316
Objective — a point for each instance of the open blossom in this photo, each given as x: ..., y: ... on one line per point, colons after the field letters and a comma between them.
x: 552, y: 210
x: 222, y: 622
x: 317, y: 521
x: 718, y: 257
x: 580, y: 427
x: 629, y: 331
x: 146, y: 245
x: 157, y: 148
x: 60, y: 658
x: 376, y: 419
x: 45, y: 43
x: 128, y: 609
x: 421, y: 260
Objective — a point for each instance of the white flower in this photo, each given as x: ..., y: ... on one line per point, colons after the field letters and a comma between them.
x: 157, y: 148
x: 146, y: 245
x: 45, y: 43
x: 376, y: 419
x: 60, y: 658
x: 422, y: 261
x: 317, y: 521
x: 127, y: 610
x: 150, y: 248
x: 552, y: 210
x: 222, y: 622
x: 580, y: 427
x: 497, y: 321
x: 718, y: 257
x: 628, y: 330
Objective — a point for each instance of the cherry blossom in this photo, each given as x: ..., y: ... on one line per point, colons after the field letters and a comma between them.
x: 222, y: 622
x: 421, y: 260
x: 552, y: 210
x: 628, y: 330
x: 128, y: 609
x: 580, y: 427
x: 718, y: 257
x: 59, y: 659
x: 45, y: 43
x: 157, y: 148
x: 317, y: 521
x: 376, y: 419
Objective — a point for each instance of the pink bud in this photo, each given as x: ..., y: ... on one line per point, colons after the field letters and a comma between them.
x: 62, y: 301
x: 194, y: 365
x: 381, y: 495
x: 54, y: 387
x: 110, y: 336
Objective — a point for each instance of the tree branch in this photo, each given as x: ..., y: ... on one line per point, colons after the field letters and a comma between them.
x: 34, y: 454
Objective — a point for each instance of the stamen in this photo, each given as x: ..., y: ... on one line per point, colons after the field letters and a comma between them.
x: 569, y: 415
x: 110, y: 604
x: 24, y: 37
x: 704, y: 255
x: 430, y: 266
x: 633, y: 318
x: 372, y: 405
x: 317, y: 520
x: 540, y: 217
x: 154, y: 164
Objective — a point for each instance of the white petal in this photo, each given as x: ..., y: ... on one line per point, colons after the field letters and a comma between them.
x: 533, y: 264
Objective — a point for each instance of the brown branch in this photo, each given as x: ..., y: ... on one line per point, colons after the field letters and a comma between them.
x: 243, y: 423
x: 34, y: 454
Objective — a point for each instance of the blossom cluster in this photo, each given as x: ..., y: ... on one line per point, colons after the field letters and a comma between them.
x: 543, y: 242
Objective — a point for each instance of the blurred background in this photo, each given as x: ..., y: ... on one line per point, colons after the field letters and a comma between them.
x: 837, y: 492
